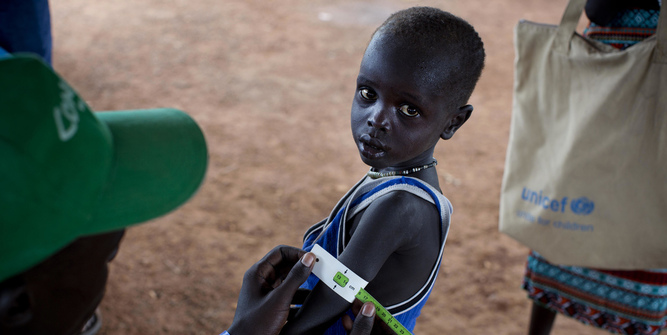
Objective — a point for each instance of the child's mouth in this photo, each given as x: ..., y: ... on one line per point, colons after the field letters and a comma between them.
x: 370, y: 147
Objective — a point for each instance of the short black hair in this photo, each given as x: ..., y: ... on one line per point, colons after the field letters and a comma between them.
x: 441, y: 33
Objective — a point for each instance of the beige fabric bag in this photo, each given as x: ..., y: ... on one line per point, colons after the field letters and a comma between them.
x: 585, y: 178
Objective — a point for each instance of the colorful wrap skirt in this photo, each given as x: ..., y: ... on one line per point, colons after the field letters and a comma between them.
x: 626, y: 29
x: 622, y: 302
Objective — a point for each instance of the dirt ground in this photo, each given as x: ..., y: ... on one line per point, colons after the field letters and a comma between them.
x: 271, y: 85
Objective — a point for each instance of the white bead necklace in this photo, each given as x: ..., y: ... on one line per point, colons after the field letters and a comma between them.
x: 375, y: 174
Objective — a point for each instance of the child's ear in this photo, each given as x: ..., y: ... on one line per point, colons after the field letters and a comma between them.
x: 460, y: 116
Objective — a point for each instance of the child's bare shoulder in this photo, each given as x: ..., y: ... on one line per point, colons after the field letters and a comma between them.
x: 399, y: 212
x: 402, y: 202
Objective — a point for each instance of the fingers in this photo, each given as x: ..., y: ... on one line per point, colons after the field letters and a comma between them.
x: 356, y: 306
x: 264, y: 301
x: 276, y: 264
x: 363, y: 324
x: 299, y: 273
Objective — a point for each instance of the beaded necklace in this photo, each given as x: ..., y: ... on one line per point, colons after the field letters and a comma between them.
x: 375, y: 175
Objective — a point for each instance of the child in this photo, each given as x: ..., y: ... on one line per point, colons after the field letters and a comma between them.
x: 415, y: 78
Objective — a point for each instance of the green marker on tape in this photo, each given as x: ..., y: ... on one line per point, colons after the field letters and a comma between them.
x: 349, y: 286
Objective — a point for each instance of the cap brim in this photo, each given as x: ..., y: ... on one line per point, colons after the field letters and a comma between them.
x: 160, y: 160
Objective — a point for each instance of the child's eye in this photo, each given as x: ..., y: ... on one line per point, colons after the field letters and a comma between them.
x: 367, y: 94
x: 408, y: 110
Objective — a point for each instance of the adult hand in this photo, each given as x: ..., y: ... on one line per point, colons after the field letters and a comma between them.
x: 267, y: 290
x: 365, y: 320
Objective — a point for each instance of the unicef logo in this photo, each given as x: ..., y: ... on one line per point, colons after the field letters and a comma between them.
x: 579, y: 206
x: 582, y: 206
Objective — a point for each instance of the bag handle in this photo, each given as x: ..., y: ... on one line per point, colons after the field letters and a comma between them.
x: 568, y: 24
x: 661, y: 32
x: 570, y: 20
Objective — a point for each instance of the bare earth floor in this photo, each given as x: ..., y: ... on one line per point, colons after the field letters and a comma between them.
x: 271, y: 83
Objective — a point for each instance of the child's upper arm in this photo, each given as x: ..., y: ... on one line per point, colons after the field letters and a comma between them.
x: 389, y: 223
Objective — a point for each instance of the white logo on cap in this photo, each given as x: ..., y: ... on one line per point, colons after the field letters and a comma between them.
x: 69, y: 109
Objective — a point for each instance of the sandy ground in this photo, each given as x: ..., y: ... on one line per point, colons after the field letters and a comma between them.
x: 271, y: 85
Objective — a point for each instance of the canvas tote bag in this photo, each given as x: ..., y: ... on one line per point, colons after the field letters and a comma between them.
x: 585, y: 180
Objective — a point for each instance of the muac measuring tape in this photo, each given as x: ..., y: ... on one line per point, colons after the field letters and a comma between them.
x: 349, y: 286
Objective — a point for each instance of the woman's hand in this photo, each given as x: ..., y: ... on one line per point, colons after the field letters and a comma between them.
x: 268, y: 288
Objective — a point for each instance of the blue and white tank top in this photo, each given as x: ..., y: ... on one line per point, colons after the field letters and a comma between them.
x: 330, y: 234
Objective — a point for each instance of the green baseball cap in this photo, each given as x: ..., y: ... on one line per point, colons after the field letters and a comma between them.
x: 66, y: 172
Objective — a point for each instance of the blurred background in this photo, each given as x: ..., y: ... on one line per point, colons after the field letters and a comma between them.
x: 271, y: 84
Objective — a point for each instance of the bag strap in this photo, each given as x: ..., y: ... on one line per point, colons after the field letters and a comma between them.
x: 568, y: 24
x: 570, y: 20
x: 661, y: 32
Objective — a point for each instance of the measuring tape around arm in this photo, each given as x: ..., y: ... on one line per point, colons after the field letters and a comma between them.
x: 349, y: 286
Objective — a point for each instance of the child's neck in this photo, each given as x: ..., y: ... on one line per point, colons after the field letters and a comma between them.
x: 429, y: 176
x: 374, y: 173
x: 425, y: 172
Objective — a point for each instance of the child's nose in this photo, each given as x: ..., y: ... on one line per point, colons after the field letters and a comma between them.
x: 379, y: 118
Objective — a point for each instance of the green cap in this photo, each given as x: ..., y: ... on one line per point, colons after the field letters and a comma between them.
x: 66, y: 172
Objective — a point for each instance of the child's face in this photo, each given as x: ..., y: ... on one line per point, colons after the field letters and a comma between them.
x: 398, y: 114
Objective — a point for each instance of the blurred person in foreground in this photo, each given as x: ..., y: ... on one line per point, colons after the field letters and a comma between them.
x: 72, y: 181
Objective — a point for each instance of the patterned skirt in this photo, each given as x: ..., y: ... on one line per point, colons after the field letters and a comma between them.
x: 622, y: 302
x: 626, y: 29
